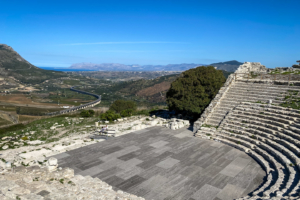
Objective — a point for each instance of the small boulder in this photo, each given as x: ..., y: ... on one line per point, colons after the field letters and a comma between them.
x: 52, y: 161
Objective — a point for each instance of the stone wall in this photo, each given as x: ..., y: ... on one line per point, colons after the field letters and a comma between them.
x: 251, y: 67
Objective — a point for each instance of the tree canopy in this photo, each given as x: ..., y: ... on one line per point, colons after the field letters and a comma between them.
x: 192, y: 92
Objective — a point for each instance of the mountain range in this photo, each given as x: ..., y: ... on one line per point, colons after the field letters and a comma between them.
x: 229, y: 66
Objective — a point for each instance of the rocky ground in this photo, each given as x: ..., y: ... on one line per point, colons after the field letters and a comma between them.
x: 25, y: 173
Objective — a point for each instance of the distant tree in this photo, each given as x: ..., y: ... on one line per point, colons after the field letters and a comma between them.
x: 120, y: 105
x: 109, y: 116
x: 87, y: 113
x: 192, y: 92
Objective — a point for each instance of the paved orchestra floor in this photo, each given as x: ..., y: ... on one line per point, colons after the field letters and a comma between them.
x: 158, y: 163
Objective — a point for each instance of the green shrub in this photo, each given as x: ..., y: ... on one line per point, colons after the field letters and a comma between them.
x: 109, y: 116
x: 87, y: 113
x: 24, y: 138
x: 126, y: 113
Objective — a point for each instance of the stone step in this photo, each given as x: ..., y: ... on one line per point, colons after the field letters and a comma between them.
x: 267, y: 138
x: 268, y: 117
x: 249, y: 118
x: 267, y: 114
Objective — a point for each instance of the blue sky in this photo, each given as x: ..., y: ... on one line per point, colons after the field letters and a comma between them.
x: 60, y: 33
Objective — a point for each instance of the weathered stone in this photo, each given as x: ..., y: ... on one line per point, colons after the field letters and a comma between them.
x: 67, y: 173
x: 7, y: 185
x: 20, y: 191
x: 5, y: 147
x: 52, y: 161
x: 27, y: 178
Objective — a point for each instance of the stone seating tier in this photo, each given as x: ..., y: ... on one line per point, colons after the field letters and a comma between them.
x: 287, y: 173
x: 246, y: 119
x: 268, y: 134
x: 281, y: 174
x: 260, y: 129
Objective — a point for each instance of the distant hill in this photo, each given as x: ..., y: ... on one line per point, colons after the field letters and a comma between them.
x: 229, y: 66
x: 122, y: 67
x: 12, y: 64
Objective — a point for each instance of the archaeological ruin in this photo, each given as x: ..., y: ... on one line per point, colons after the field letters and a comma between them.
x: 245, y: 145
x: 257, y: 112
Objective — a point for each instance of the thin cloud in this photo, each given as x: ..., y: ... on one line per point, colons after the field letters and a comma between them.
x: 142, y: 42
x: 135, y: 51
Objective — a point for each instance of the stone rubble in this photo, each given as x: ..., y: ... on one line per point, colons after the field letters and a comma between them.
x: 36, y: 183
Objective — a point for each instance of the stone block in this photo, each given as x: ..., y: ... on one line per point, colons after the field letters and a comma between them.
x: 153, y: 123
x: 52, y: 161
x: 68, y: 173
x: 52, y: 168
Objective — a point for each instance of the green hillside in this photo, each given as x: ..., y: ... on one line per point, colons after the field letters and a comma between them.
x: 12, y: 64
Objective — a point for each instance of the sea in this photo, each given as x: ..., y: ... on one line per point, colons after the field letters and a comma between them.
x: 60, y: 69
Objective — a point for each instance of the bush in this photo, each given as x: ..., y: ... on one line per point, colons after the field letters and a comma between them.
x: 192, y: 92
x: 87, y: 113
x: 126, y: 113
x: 119, y: 105
x: 109, y: 116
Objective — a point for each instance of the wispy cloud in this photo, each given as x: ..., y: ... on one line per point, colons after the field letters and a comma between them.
x: 135, y: 51
x: 141, y: 42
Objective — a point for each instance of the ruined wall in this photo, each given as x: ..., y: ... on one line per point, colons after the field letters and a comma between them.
x: 251, y: 67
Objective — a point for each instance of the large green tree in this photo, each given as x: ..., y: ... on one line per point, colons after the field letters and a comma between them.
x: 192, y: 92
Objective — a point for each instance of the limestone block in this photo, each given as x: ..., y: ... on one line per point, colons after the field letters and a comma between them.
x: 68, y: 173
x: 137, y: 127
x: 5, y: 147
x: 52, y: 161
x: 27, y: 178
x: 7, y: 185
x: 8, y: 165
x: 52, y: 168
x: 52, y: 127
x: 32, y: 196
x: 180, y: 125
x: 143, y: 126
x: 153, y: 123
x: 96, y: 124
x: 120, y: 120
x: 35, y: 142
x: 20, y: 191
x: 106, y: 122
